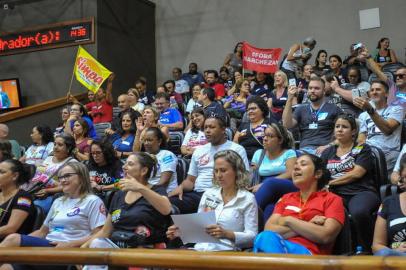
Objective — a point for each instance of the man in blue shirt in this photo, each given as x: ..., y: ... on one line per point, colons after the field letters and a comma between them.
x: 193, y: 76
x: 169, y: 117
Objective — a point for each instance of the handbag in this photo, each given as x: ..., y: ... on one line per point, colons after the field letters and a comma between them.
x: 256, y: 178
x: 127, y: 239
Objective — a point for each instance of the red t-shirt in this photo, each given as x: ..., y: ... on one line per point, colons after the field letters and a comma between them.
x: 101, y: 113
x: 219, y: 89
x: 320, y: 203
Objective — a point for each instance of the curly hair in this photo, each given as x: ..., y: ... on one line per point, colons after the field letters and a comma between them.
x: 107, y: 150
x: 233, y: 158
x: 261, y: 103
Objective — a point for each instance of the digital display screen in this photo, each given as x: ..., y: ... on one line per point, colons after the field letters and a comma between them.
x: 10, y: 97
x: 48, y: 37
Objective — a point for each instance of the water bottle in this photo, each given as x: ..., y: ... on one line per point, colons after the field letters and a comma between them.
x: 359, y: 250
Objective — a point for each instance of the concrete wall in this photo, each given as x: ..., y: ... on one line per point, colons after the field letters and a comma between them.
x: 205, y: 31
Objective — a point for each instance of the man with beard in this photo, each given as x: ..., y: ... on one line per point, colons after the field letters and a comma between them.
x: 211, y: 82
x: 380, y: 124
x: 315, y: 120
x: 193, y: 77
x: 186, y: 196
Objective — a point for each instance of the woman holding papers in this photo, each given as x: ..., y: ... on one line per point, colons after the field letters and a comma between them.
x: 307, y: 221
x: 138, y: 214
x: 235, y: 208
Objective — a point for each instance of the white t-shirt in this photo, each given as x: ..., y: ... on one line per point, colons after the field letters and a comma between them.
x: 191, y: 105
x: 36, y: 154
x: 375, y: 136
x: 202, y: 163
x: 73, y: 219
x: 181, y: 86
x: 167, y: 162
x: 194, y: 139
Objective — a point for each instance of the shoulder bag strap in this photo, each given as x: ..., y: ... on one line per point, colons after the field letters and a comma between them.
x: 3, y: 214
x: 55, y: 172
x: 252, y: 134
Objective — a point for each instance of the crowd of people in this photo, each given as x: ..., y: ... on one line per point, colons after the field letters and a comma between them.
x: 290, y: 150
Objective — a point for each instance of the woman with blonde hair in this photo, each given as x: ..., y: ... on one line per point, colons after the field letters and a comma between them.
x: 279, y: 95
x: 235, y: 207
x: 134, y: 100
x: 72, y: 220
x: 150, y: 117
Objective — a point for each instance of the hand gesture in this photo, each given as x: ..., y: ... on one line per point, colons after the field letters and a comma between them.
x: 320, y: 149
x: 172, y: 232
x: 130, y: 183
x: 177, y: 191
x: 292, y: 91
x: 269, y: 103
x: 111, y: 77
x: 109, y: 131
x: 140, y: 124
x: 334, y: 83
x: 362, y: 103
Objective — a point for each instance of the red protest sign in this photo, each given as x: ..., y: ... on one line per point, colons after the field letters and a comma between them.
x: 261, y: 60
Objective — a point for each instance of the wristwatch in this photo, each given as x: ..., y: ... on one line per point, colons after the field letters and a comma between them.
x: 370, y: 111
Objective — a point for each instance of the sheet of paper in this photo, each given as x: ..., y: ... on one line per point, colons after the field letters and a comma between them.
x: 192, y: 227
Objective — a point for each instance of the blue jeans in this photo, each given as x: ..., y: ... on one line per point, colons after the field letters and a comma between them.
x: 271, y: 242
x: 271, y: 190
x: 389, y: 252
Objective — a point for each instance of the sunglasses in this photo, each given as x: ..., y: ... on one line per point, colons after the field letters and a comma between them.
x: 400, y: 76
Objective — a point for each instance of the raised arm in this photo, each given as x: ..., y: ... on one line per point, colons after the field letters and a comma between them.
x: 287, y: 116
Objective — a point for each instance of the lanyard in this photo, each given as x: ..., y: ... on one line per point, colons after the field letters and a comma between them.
x: 315, y: 113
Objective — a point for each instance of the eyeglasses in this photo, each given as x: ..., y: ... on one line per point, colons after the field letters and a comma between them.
x: 96, y: 153
x: 400, y: 76
x: 252, y: 108
x: 66, y: 176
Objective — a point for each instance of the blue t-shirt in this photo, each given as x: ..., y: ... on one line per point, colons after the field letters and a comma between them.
x: 170, y: 116
x: 275, y: 166
x: 125, y: 145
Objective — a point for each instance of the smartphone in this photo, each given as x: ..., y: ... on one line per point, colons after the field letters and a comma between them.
x: 292, y: 82
x: 359, y: 92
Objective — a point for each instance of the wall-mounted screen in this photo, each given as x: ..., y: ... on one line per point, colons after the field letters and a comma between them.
x: 10, y: 95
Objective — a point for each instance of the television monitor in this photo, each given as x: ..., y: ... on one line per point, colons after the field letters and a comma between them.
x: 10, y: 95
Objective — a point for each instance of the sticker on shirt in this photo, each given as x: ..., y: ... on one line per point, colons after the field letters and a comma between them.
x: 115, y: 216
x: 125, y: 143
x: 73, y: 212
x: 210, y: 204
x: 23, y: 201
x: 142, y: 231
x: 322, y: 116
x: 167, y: 160
x: 313, y: 126
x: 204, y: 160
x: 293, y: 208
x: 58, y: 228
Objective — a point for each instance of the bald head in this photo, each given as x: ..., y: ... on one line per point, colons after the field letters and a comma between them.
x: 123, y: 102
x: 3, y: 131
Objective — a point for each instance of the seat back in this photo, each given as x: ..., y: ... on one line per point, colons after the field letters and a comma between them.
x: 392, y: 67
x: 175, y: 141
x: 39, y: 217
x: 379, y: 168
x: 100, y: 128
x: 229, y: 134
x: 343, y: 243
x: 116, y: 111
x: 182, y: 169
x: 364, y: 73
